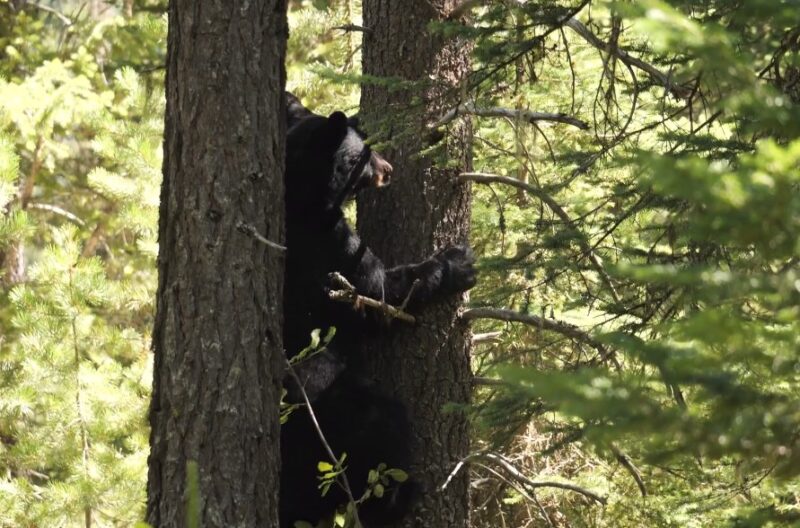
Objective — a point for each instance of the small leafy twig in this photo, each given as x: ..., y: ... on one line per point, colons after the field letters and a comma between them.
x: 335, y: 461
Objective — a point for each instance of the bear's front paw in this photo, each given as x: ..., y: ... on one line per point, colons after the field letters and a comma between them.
x: 458, y: 269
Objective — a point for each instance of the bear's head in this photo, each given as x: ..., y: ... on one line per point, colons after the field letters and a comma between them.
x: 328, y: 161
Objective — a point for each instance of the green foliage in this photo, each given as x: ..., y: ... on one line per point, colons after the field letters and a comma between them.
x: 668, y: 236
x: 80, y: 158
x: 659, y: 250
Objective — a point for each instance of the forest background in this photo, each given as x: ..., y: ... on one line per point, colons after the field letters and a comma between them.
x: 637, y: 345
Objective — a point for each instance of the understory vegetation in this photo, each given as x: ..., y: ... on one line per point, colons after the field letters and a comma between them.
x: 636, y: 213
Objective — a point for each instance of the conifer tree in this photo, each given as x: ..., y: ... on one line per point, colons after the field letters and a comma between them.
x: 217, y: 336
x: 425, y: 209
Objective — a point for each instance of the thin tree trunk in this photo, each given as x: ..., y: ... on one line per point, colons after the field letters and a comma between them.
x: 427, y: 365
x: 217, y: 335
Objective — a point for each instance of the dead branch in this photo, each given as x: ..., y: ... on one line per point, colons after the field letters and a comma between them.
x: 483, y: 381
x: 560, y: 327
x: 663, y: 79
x: 627, y: 463
x: 519, y: 477
x: 252, y: 232
x: 524, y: 115
x: 488, y: 337
x: 353, y: 27
x: 348, y: 294
x: 56, y: 210
x: 557, y: 209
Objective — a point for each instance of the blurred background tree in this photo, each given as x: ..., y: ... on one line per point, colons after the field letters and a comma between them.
x: 80, y: 149
x: 636, y: 215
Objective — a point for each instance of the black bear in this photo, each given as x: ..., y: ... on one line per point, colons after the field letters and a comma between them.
x: 327, y: 163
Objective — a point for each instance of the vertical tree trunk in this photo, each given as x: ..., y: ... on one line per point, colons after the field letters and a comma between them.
x: 426, y: 366
x: 217, y: 335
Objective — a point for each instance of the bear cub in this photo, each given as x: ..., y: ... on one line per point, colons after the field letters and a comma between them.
x: 327, y: 163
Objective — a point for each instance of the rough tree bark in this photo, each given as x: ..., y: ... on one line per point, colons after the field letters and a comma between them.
x: 217, y: 335
x: 427, y: 365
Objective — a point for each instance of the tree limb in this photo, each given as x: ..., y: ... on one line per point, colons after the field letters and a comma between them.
x: 348, y: 294
x: 557, y: 209
x: 353, y: 27
x: 252, y: 232
x: 560, y: 327
x: 663, y: 79
x: 519, y: 477
x: 57, y: 211
x: 627, y: 463
x: 488, y: 337
x: 511, y: 113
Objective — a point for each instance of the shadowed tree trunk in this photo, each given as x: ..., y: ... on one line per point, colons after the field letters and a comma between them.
x: 426, y: 366
x: 217, y: 335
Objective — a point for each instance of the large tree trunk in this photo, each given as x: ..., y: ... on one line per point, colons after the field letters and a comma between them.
x: 217, y: 336
x: 426, y: 366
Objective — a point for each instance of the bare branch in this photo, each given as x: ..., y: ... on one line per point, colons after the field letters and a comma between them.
x: 47, y: 9
x: 353, y: 27
x: 479, y: 177
x: 251, y: 231
x: 488, y: 337
x: 531, y: 484
x: 57, y: 211
x: 511, y: 113
x: 627, y: 463
x: 519, y: 477
x: 663, y: 79
x: 348, y: 294
x: 560, y: 327
x: 489, y: 382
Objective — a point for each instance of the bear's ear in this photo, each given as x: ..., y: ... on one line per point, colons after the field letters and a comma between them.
x: 337, y: 122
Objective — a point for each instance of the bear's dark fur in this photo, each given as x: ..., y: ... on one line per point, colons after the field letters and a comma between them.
x: 328, y: 162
